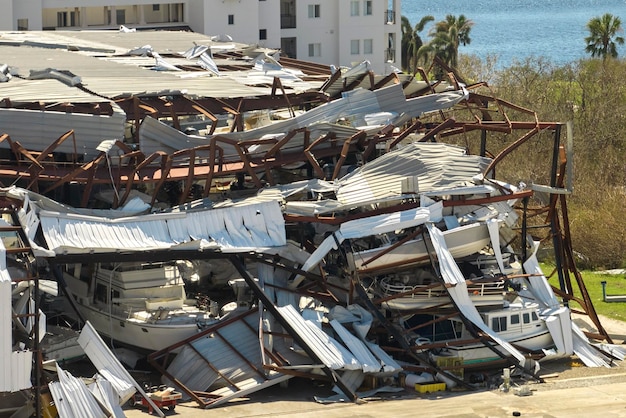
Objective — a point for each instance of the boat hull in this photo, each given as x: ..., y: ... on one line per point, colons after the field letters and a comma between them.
x: 425, y: 302
x: 139, y: 334
x: 478, y: 353
x: 461, y: 241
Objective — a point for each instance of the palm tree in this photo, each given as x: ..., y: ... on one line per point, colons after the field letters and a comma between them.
x: 412, y: 42
x: 448, y: 35
x: 602, y: 40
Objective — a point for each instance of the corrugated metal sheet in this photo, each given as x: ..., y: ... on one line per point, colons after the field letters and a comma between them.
x: 328, y: 350
x: 97, y: 57
x: 216, y: 349
x: 36, y: 129
x: 436, y: 166
x: 16, y: 365
x: 418, y: 106
x: 158, y: 136
x: 53, y: 91
x: 104, y: 392
x: 357, y: 347
x: 155, y: 135
x: 6, y: 319
x: 21, y: 370
x: 110, y: 367
x: 238, y: 228
x: 72, y: 397
x: 353, y: 108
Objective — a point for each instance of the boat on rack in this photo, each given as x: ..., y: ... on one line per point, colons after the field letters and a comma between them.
x: 419, y: 288
x: 462, y: 241
x: 408, y: 297
x: 143, y: 305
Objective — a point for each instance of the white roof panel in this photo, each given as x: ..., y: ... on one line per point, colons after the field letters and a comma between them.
x: 233, y: 229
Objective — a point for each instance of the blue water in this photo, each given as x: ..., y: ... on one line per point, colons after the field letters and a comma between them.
x: 517, y: 29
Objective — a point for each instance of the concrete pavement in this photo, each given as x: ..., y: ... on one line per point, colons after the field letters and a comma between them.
x: 600, y: 396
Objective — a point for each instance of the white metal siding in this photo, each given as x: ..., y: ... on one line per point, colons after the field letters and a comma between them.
x: 232, y: 229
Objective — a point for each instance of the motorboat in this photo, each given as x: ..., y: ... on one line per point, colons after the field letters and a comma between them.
x: 142, y: 305
x: 517, y: 323
x: 419, y: 288
x: 403, y: 297
x: 462, y: 241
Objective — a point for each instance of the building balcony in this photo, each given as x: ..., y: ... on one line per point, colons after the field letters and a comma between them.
x: 287, y: 21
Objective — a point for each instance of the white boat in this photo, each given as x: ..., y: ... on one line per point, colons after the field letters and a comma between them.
x: 462, y: 241
x: 518, y: 324
x: 418, y: 288
x: 403, y: 297
x: 143, y: 305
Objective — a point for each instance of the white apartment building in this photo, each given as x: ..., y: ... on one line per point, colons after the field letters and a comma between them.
x: 333, y: 32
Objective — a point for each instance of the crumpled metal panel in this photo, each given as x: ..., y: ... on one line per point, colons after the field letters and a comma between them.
x: 237, y: 228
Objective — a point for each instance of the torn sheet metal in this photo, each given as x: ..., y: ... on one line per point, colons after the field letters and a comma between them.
x: 237, y: 228
x: 436, y: 166
x: 110, y: 368
x: 333, y: 355
x: 72, y: 398
x: 372, y: 225
x: 369, y: 362
x: 538, y: 287
x: 360, y: 321
x: 365, y: 395
x: 103, y: 391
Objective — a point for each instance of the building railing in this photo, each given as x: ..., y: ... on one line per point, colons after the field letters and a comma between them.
x: 287, y: 21
x: 390, y: 55
x: 390, y: 17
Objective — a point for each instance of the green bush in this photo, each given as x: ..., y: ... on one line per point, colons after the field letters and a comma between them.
x: 592, y: 94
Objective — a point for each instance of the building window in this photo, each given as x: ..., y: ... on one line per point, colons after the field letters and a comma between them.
x: 22, y: 24
x: 231, y: 19
x: 314, y: 10
x: 287, y: 14
x: 315, y: 50
x: 355, y: 46
x: 367, y: 8
x: 262, y: 34
x: 156, y: 7
x: 368, y: 46
x: 354, y: 8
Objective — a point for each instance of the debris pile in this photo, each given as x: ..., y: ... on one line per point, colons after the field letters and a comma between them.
x: 353, y: 241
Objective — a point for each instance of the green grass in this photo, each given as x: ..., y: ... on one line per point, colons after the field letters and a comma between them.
x: 615, y: 285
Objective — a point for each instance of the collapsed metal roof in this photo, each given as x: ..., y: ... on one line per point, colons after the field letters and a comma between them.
x: 234, y: 229
x: 96, y: 57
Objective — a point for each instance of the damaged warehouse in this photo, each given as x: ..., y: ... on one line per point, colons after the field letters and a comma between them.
x: 347, y: 237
